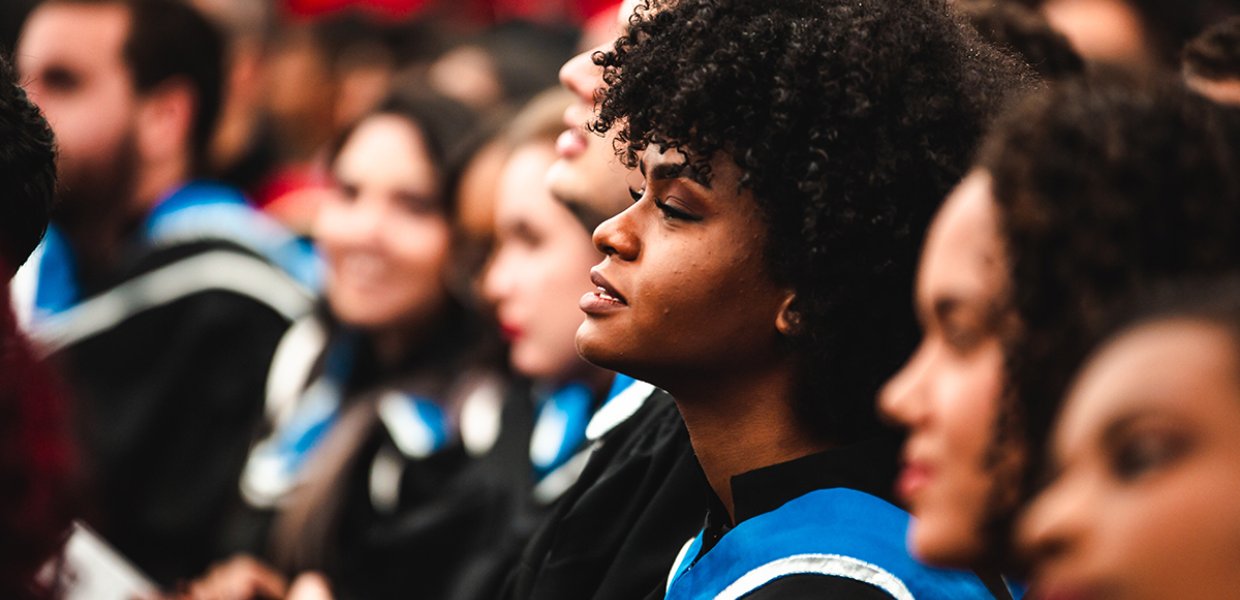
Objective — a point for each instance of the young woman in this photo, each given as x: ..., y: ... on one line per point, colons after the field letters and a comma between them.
x: 1144, y: 456
x: 385, y: 418
x: 539, y: 270
x: 1023, y: 261
x: 754, y: 276
x: 948, y: 394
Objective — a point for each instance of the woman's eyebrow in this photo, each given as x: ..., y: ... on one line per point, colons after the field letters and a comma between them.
x: 668, y: 170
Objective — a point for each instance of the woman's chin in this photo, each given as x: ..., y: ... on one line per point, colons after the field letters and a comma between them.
x: 945, y: 545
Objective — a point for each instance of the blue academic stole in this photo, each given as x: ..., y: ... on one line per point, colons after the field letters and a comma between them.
x: 832, y: 532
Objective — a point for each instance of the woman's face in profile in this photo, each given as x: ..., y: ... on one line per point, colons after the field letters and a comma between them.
x: 540, y: 269
x: 1146, y: 457
x: 947, y: 395
x: 684, y: 289
x: 383, y: 231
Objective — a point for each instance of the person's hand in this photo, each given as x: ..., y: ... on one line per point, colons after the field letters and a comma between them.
x: 239, y: 578
x: 310, y: 586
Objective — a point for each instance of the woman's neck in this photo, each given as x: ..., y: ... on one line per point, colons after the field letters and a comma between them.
x: 738, y: 423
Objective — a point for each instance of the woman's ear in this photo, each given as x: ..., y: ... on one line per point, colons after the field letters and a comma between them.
x: 788, y: 319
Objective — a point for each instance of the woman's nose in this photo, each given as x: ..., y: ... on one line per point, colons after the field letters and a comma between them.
x: 581, y: 76
x: 616, y: 237
x: 1053, y: 523
x: 901, y: 400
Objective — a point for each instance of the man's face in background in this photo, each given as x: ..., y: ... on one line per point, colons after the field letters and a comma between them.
x: 70, y: 56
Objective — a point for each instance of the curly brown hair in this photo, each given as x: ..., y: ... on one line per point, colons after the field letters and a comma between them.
x: 1106, y: 187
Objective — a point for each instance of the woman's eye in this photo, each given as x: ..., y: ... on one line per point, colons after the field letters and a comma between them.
x: 1146, y: 453
x: 962, y: 338
x: 417, y: 203
x: 636, y: 194
x: 348, y: 191
x: 670, y: 211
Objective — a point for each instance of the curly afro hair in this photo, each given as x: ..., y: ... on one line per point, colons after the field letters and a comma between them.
x: 1023, y: 30
x: 1105, y: 188
x: 850, y: 121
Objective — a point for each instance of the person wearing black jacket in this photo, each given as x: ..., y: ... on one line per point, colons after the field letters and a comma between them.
x: 157, y: 296
x: 789, y: 174
x: 393, y: 452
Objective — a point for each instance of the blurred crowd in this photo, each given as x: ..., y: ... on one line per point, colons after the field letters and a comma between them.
x: 483, y: 299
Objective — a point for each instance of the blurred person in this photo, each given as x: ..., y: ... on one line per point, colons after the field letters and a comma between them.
x: 114, y: 175
x: 1021, y: 29
x: 390, y: 458
x: 745, y: 279
x: 948, y: 394
x: 299, y: 94
x: 588, y: 178
x: 614, y: 533
x: 1149, y: 435
x: 503, y: 67
x: 1081, y: 193
x: 300, y: 90
x: 1106, y: 31
x: 156, y: 293
x: 537, y: 274
x: 27, y: 172
x: 1113, y: 223
x: 1140, y: 35
x: 242, y: 148
x: 1211, y: 62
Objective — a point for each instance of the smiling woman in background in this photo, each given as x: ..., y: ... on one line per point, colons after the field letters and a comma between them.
x: 385, y: 418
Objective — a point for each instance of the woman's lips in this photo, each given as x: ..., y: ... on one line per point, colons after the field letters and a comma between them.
x: 603, y: 299
x: 570, y: 144
x: 511, y: 333
x: 913, y: 478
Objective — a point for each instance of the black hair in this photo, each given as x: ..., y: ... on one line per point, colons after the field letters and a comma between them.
x: 1212, y: 300
x: 27, y: 172
x: 170, y: 40
x: 1105, y: 187
x: 849, y: 121
x: 1215, y: 54
x: 1023, y: 30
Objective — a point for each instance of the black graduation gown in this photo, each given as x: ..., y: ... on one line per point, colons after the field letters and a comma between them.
x: 616, y: 532
x: 166, y: 396
x: 449, y: 507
